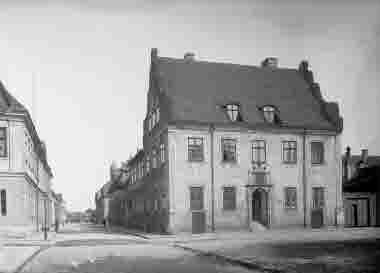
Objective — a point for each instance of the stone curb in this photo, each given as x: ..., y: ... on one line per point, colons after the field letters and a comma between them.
x: 231, y: 260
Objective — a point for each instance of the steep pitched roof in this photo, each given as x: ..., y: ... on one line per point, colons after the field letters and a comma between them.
x: 198, y: 89
x: 8, y: 103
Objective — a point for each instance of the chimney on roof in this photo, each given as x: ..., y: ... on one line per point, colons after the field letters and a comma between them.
x: 307, y: 74
x: 189, y: 56
x: 346, y: 171
x: 364, y: 156
x: 153, y: 53
x: 348, y: 152
x: 270, y: 62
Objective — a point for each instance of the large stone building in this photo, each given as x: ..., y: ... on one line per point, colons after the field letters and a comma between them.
x: 25, y: 175
x: 230, y: 146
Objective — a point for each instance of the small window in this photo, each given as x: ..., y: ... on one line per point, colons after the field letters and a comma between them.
x: 153, y: 119
x: 229, y: 150
x: 147, y: 164
x: 233, y: 112
x: 317, y: 153
x: 269, y: 114
x: 289, y: 151
x: 3, y: 142
x: 229, y: 198
x: 258, y: 151
x: 196, y: 198
x: 162, y: 152
x: 130, y: 204
x: 195, y: 148
x: 154, y: 158
x: 291, y: 197
x: 318, y: 197
x: 158, y: 114
x: 3, y: 202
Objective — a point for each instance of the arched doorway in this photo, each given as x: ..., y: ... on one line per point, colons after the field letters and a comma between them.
x: 260, y: 207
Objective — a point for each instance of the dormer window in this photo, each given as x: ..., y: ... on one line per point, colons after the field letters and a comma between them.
x: 269, y: 113
x: 233, y: 112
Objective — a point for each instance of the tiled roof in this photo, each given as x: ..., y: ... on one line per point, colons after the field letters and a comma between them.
x: 372, y: 160
x: 366, y: 180
x: 9, y: 104
x: 197, y: 89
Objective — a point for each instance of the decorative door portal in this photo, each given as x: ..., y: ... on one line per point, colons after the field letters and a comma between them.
x: 260, y: 207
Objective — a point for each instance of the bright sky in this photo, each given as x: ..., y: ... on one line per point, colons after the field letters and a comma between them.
x: 91, y: 61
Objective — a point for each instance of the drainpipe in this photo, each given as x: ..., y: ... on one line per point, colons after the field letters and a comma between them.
x: 212, y: 129
x: 304, y: 182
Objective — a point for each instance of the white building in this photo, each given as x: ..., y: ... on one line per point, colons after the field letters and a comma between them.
x: 230, y: 146
x: 25, y: 175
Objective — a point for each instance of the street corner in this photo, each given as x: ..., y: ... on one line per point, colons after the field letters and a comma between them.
x: 13, y: 258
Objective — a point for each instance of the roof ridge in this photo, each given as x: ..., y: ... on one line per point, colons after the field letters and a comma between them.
x: 181, y: 60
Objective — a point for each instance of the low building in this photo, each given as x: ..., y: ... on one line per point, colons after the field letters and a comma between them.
x: 108, y: 198
x: 25, y: 175
x: 361, y: 189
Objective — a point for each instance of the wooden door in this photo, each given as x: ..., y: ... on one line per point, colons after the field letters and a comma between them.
x: 317, y: 214
x: 198, y: 214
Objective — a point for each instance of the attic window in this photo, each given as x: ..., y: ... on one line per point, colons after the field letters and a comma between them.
x: 269, y: 113
x: 233, y: 112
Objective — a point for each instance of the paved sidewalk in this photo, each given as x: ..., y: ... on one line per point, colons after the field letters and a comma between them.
x: 12, y: 257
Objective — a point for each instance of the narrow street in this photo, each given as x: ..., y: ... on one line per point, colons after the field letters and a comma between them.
x: 86, y: 248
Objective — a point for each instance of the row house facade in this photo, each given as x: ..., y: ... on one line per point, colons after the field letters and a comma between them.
x: 361, y: 189
x: 25, y: 175
x: 230, y: 146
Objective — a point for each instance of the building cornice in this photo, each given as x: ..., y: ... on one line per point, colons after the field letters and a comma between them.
x: 24, y: 175
x: 249, y: 128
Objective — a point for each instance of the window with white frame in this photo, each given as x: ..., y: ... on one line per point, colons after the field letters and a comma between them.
x: 195, y: 148
x: 317, y: 152
x: 229, y: 150
x: 290, y: 197
x: 258, y: 151
x: 3, y: 202
x: 162, y: 152
x: 147, y: 160
x: 158, y: 114
x: 229, y: 198
x: 3, y: 142
x: 154, y: 158
x: 289, y: 152
x: 318, y: 197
